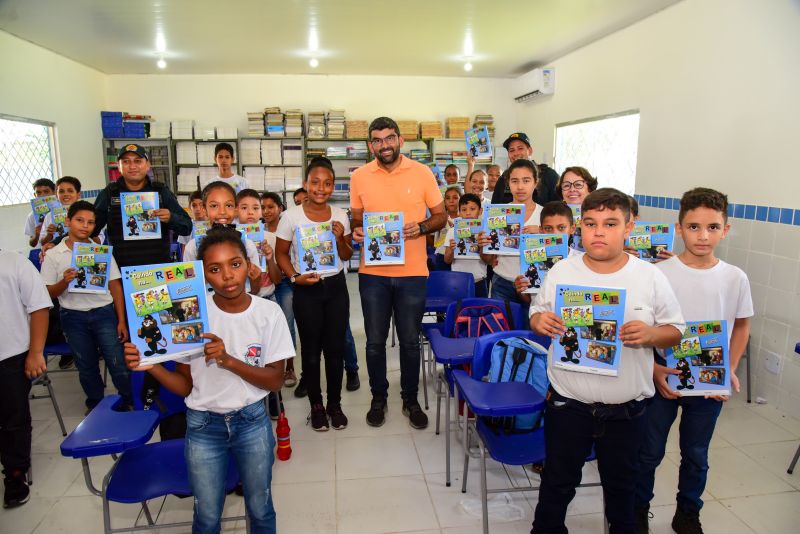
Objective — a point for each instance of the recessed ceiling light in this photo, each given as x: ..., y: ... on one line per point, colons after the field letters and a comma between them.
x: 313, y: 63
x: 467, y: 66
x: 161, y: 63
x: 161, y: 42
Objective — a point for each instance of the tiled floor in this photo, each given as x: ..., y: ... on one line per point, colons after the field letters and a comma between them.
x: 364, y: 480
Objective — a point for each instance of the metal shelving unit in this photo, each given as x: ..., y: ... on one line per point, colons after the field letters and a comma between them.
x: 178, y: 166
x: 161, y: 158
x: 269, y: 181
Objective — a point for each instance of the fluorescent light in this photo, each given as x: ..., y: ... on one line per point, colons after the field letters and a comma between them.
x: 313, y: 63
x: 469, y: 48
x: 467, y: 66
x: 161, y: 63
x: 313, y: 40
x: 161, y: 43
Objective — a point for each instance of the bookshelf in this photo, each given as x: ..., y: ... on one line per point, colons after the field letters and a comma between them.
x: 346, y: 156
x: 161, y: 162
x: 442, y: 146
x: 273, y: 163
x: 194, y: 162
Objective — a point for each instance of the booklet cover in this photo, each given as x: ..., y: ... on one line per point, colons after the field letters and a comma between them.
x: 139, y: 219
x: 41, y: 206
x: 316, y: 248
x: 255, y: 233
x: 93, y: 263
x: 478, y: 143
x: 199, y: 231
x: 538, y: 253
x: 383, y: 238
x: 465, y: 232
x: 592, y: 317
x: 166, y: 309
x: 703, y: 359
x: 650, y: 238
x: 575, y: 239
x: 59, y: 216
x: 502, y: 223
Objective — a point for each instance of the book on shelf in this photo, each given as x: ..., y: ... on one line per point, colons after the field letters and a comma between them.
x: 537, y: 255
x: 430, y: 130
x: 294, y: 178
x: 255, y: 124
x: 292, y: 152
x: 703, y: 359
x: 316, y: 125
x: 409, y: 130
x: 186, y: 153
x: 250, y: 151
x: 92, y: 263
x: 274, y: 179
x: 502, y: 223
x: 255, y: 177
x: 456, y: 127
x: 294, y: 123
x: 271, y: 153
x: 356, y: 129
x: 484, y: 121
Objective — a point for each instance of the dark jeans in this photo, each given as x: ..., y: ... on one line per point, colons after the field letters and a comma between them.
x: 15, y: 415
x: 322, y: 312
x: 283, y: 296
x: 350, y: 354
x: 504, y: 290
x: 572, y: 428
x: 698, y: 419
x: 480, y: 289
x: 405, y: 296
x: 90, y: 331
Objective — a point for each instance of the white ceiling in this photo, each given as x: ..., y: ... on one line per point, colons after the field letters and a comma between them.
x: 406, y: 37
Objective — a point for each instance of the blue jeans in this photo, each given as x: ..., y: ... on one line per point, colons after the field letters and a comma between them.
x: 405, y: 296
x: 90, y: 331
x: 350, y: 355
x: 283, y: 296
x: 210, y: 439
x: 698, y: 419
x: 504, y: 290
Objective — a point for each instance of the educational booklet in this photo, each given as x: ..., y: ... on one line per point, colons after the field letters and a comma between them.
x: 465, y: 232
x: 538, y: 253
x: 199, y: 231
x: 41, y: 206
x: 316, y: 248
x: 703, y: 359
x: 383, y: 238
x: 92, y: 263
x: 479, y: 144
x: 139, y: 219
x: 575, y: 239
x: 592, y: 317
x: 166, y: 309
x: 650, y: 238
x: 59, y: 216
x: 502, y: 223
x: 255, y: 233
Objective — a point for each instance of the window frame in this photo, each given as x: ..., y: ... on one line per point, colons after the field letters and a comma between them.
x: 55, y: 156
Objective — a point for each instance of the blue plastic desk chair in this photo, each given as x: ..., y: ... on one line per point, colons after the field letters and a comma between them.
x: 33, y: 256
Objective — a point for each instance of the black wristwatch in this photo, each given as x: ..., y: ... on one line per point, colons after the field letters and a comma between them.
x: 423, y: 228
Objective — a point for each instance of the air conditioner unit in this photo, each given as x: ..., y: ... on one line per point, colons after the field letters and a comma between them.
x: 533, y: 84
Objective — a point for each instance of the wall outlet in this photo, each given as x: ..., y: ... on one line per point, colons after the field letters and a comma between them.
x: 773, y: 363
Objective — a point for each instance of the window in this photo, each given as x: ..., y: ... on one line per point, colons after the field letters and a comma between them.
x: 606, y: 146
x: 27, y: 153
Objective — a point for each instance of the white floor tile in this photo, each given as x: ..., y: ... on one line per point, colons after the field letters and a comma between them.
x: 768, y: 514
x: 775, y: 458
x: 741, y: 426
x: 734, y: 474
x: 305, y: 508
x: 376, y: 456
x: 311, y: 461
x: 715, y: 518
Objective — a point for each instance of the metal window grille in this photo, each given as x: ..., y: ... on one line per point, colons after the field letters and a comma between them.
x: 27, y: 153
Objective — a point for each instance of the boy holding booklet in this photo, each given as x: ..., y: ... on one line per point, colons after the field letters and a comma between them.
x: 586, y: 411
x: 469, y: 207
x: 708, y: 289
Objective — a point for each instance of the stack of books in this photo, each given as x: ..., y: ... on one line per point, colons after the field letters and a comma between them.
x: 250, y: 152
x: 159, y: 155
x: 208, y: 174
x: 294, y: 178
x: 187, y: 179
x: 227, y: 132
x: 294, y: 123
x: 205, y: 154
x: 430, y: 130
x: 159, y: 130
x: 271, y: 152
x: 274, y: 123
x: 255, y: 177
x: 423, y: 155
x: 111, y: 122
x: 335, y: 124
x: 484, y: 121
x: 292, y: 153
x: 183, y: 129
x: 313, y: 151
x: 460, y: 157
x: 456, y: 127
x: 444, y: 157
x: 186, y: 153
x: 204, y: 131
x: 316, y: 125
x: 255, y: 123
x: 409, y: 130
x: 273, y: 178
x: 357, y: 151
x: 356, y: 129
x: 336, y: 152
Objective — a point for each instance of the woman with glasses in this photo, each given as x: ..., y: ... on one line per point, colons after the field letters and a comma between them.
x: 573, y: 186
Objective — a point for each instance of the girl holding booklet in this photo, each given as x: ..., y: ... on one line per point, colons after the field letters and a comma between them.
x: 225, y: 390
x: 321, y: 302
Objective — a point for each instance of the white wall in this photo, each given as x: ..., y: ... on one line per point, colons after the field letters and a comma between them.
x: 38, y: 84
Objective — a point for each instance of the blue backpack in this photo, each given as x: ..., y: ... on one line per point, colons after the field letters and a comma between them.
x: 476, y: 321
x: 517, y: 359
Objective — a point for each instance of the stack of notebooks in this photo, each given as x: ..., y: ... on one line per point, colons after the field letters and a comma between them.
x: 183, y: 129
x: 275, y: 126
x: 294, y: 178
x: 456, y: 127
x: 356, y: 129
x: 187, y: 179
x: 205, y: 153
x: 204, y: 131
x: 460, y: 157
x: 136, y: 126
x: 316, y: 125
x: 250, y: 152
x: 423, y: 155
x: 255, y: 124
x: 255, y: 177
x: 208, y: 174
x: 186, y: 153
x: 292, y: 153
x: 357, y: 151
x: 227, y: 132
x: 484, y: 121
x: 409, y: 130
x: 444, y: 157
x: 314, y: 151
x: 336, y: 152
x: 159, y: 155
x: 271, y: 152
x: 159, y: 130
x: 273, y: 178
x: 336, y: 124
x: 430, y: 130
x: 111, y: 122
x: 294, y: 123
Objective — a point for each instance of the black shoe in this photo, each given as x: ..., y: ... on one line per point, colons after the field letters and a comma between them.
x: 17, y: 492
x: 642, y: 520
x: 416, y: 417
x: 338, y: 418
x: 66, y: 362
x: 686, y: 522
x: 353, y: 383
x: 377, y: 412
x: 318, y: 418
x: 301, y: 390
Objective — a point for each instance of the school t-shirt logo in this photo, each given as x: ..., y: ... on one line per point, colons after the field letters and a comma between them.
x: 253, y: 356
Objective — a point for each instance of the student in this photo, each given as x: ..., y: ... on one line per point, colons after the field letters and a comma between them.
x: 493, y: 173
x: 198, y: 213
x: 68, y: 190
x: 586, y: 411
x: 476, y: 184
x: 439, y: 239
x: 469, y: 207
x: 248, y: 203
x: 41, y: 188
x: 299, y: 196
x: 225, y: 390
x: 93, y: 323
x: 224, y: 158
x: 708, y: 289
x: 321, y: 302
x: 452, y: 174
x: 25, y: 304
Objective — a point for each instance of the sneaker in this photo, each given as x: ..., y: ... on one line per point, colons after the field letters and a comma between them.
x: 17, y: 492
x: 301, y: 390
x: 338, y: 418
x: 289, y: 378
x: 353, y: 383
x: 318, y: 418
x: 416, y: 417
x: 376, y: 415
x: 642, y: 516
x: 66, y: 362
x: 686, y: 522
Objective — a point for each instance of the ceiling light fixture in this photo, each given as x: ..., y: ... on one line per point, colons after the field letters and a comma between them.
x: 161, y: 43
x: 313, y: 40
x: 314, y: 63
x: 161, y: 63
x: 467, y: 66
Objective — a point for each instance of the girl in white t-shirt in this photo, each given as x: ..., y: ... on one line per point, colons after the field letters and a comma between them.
x: 321, y: 302
x: 224, y: 158
x: 225, y: 390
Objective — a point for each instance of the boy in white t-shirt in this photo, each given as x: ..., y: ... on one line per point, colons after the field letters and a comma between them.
x: 588, y: 412
x: 708, y: 289
x: 469, y: 207
x: 224, y: 158
x: 42, y: 187
x: 439, y: 239
x: 198, y: 213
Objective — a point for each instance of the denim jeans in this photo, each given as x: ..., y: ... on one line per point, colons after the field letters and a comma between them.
x: 283, y: 296
x: 210, y: 439
x: 88, y: 332
x: 350, y: 354
x: 405, y: 296
x: 504, y: 290
x: 572, y: 428
x: 15, y: 415
x: 698, y: 419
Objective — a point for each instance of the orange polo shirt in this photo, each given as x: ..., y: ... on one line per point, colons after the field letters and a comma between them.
x: 410, y: 188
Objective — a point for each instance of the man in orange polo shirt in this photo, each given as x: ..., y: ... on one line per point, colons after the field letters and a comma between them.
x: 392, y: 182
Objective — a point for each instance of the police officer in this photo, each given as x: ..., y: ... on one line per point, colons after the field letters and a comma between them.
x: 519, y: 146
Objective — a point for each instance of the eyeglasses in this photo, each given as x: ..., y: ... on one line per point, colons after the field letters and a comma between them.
x: 580, y: 184
x: 388, y: 140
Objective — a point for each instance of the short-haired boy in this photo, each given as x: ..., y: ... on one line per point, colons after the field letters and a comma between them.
x: 197, y: 212
x: 708, y: 289
x: 25, y: 305
x: 90, y: 321
x: 469, y: 207
x: 590, y: 411
x: 68, y: 190
x: 41, y: 188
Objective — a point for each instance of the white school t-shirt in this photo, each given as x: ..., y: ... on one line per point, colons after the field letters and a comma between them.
x: 719, y: 293
x: 190, y: 252
x: 296, y: 216
x: 487, y: 196
x: 649, y: 298
x: 257, y: 336
x: 508, y: 266
x: 22, y: 292
x: 235, y: 181
x: 59, y: 259
x: 48, y: 220
x: 30, y: 225
x: 461, y: 265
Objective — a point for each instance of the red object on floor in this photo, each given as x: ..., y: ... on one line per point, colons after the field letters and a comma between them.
x: 284, y: 443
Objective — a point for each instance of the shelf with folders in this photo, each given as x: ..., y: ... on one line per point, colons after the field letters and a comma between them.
x: 272, y: 164
x: 346, y: 156
x: 159, y: 150
x: 194, y: 162
x: 454, y: 151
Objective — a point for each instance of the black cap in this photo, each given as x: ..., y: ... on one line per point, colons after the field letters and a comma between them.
x: 133, y: 147
x: 518, y: 136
